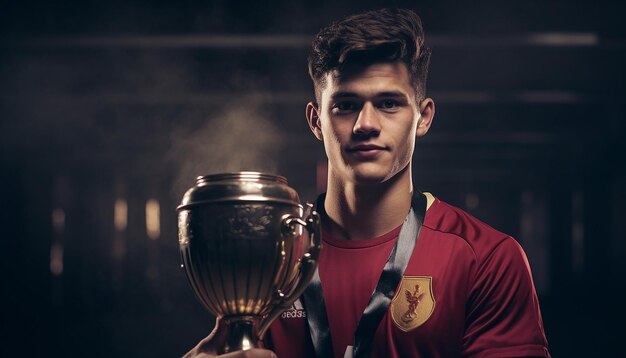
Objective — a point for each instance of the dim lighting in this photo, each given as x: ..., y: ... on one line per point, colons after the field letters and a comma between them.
x: 472, y: 201
x: 153, y: 224
x: 578, y: 232
x: 120, y: 216
x: 56, y: 259
x: 58, y: 219
x: 563, y: 39
x: 152, y: 272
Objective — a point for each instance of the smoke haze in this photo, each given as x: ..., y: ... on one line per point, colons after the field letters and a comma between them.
x: 239, y: 138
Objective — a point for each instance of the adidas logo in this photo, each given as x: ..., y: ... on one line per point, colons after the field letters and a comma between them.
x: 295, y: 311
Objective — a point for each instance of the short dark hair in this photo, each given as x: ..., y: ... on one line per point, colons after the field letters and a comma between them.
x: 369, y: 37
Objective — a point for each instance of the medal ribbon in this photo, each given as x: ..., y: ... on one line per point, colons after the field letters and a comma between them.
x: 381, y: 297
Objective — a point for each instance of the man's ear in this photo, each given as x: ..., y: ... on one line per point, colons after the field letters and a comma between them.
x: 427, y: 113
x: 312, y: 116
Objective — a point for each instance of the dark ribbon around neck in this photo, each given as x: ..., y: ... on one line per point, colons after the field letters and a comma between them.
x: 381, y: 297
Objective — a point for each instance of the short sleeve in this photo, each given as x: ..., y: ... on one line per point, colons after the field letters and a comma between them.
x: 503, y: 318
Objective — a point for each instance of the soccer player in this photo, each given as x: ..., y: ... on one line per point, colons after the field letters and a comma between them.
x: 401, y: 273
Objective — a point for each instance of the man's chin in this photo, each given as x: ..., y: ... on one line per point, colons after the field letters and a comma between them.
x: 365, y: 177
x: 372, y: 174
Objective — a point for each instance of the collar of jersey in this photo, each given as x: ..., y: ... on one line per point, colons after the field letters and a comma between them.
x: 331, y: 240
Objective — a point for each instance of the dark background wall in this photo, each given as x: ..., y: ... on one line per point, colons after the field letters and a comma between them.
x: 108, y: 106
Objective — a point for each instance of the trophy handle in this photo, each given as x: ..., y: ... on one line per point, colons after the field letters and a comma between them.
x: 308, y: 264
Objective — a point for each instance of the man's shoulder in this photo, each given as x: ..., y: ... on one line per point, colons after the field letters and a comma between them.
x: 443, y: 219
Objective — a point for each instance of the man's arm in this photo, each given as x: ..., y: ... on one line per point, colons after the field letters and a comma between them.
x: 503, y: 318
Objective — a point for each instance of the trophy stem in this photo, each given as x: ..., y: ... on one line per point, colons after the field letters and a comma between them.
x: 243, y: 333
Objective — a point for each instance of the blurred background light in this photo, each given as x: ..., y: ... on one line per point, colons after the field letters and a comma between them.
x: 153, y: 219
x: 120, y: 214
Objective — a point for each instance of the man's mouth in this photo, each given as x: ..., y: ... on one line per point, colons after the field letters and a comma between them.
x: 365, y: 148
x: 366, y: 151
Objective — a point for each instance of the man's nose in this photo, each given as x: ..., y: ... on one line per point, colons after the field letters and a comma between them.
x: 368, y: 122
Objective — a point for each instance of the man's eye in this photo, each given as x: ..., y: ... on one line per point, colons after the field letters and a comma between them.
x: 389, y: 104
x: 345, y: 106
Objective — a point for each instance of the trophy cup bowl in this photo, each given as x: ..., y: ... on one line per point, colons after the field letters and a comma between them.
x: 247, y: 250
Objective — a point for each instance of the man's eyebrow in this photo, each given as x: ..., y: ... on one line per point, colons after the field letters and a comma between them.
x: 396, y: 94
x: 347, y: 94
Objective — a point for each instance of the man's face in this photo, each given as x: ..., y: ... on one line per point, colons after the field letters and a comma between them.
x: 368, y: 120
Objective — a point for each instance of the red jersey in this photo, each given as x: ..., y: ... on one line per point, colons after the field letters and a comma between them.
x: 467, y: 291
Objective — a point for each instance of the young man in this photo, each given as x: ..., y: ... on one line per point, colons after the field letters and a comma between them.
x: 461, y: 288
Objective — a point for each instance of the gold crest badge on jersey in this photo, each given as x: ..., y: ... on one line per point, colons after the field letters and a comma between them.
x: 413, y: 303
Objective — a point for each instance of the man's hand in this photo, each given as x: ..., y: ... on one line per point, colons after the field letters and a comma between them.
x: 209, y: 347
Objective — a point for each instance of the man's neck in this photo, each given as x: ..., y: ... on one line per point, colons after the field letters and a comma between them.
x: 364, y: 211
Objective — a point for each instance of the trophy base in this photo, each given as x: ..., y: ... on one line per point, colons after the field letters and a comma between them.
x: 243, y: 333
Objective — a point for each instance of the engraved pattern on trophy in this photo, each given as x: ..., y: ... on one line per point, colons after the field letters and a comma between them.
x: 248, y: 220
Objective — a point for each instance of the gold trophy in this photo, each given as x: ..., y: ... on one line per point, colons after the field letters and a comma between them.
x: 244, y: 250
